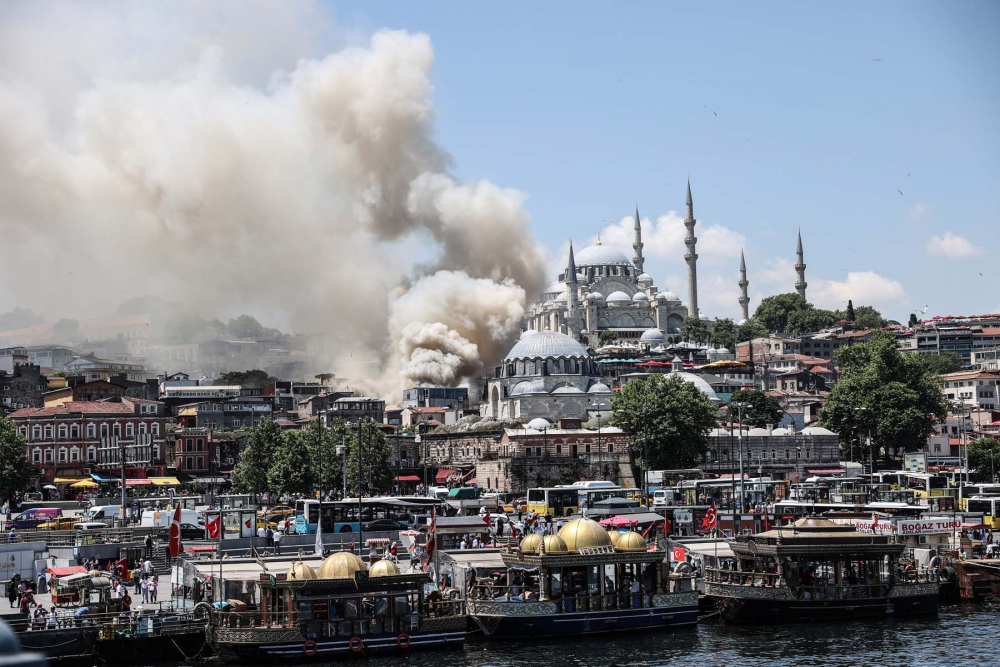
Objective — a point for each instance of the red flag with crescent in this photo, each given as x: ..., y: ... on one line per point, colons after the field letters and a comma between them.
x: 175, y: 533
x: 711, y: 519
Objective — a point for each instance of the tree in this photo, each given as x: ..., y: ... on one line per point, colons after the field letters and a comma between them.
x: 749, y: 330
x: 939, y: 364
x: 867, y: 317
x: 849, y: 315
x: 810, y: 320
x: 667, y: 421
x: 694, y: 330
x: 323, y: 444
x: 724, y: 334
x: 773, y: 311
x: 759, y: 409
x: 607, y: 337
x: 376, y: 457
x: 913, y: 320
x: 252, y: 470
x: 16, y: 470
x: 255, y: 379
x: 20, y: 318
x: 293, y: 469
x: 885, y: 393
x: 984, y: 458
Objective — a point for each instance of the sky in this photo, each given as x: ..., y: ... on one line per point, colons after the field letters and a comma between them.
x: 872, y: 127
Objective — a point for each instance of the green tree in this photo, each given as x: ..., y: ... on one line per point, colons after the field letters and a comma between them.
x: 293, y: 469
x: 759, y: 409
x: 323, y: 442
x: 850, y: 315
x: 694, y: 330
x: 255, y: 379
x: 16, y: 471
x: 376, y: 457
x: 939, y: 364
x: 810, y: 320
x: 913, y: 320
x: 865, y: 317
x: 749, y: 330
x: 885, y: 393
x: 724, y: 334
x: 984, y: 458
x: 253, y: 469
x: 667, y: 421
x: 607, y: 337
x: 773, y: 311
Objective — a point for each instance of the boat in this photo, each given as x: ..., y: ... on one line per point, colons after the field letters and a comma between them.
x: 338, y: 607
x: 818, y: 570
x: 582, y: 580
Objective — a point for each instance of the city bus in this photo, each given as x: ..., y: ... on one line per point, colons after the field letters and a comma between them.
x: 789, y: 510
x: 932, y: 491
x: 341, y: 516
x: 555, y: 501
x: 721, y: 491
x: 977, y: 489
x: 162, y: 502
x: 988, y: 507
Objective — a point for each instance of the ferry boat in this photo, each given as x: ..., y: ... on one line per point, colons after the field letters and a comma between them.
x: 583, y: 580
x: 818, y: 570
x: 342, y: 607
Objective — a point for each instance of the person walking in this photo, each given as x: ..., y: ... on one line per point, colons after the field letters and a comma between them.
x: 148, y: 542
x: 276, y: 540
x: 269, y: 537
x: 12, y: 592
x: 145, y: 590
x: 53, y: 621
x: 153, y: 585
x: 147, y: 568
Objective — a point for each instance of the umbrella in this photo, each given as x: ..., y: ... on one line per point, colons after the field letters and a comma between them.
x: 619, y: 522
x: 83, y: 484
x: 51, y: 487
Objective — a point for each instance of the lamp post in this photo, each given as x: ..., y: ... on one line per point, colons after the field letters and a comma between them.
x: 871, y: 449
x: 423, y: 460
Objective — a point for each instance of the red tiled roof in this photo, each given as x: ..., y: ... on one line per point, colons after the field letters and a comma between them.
x: 90, y: 407
x: 429, y: 410
x: 854, y: 334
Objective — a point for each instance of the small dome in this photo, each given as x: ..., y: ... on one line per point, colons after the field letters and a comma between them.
x: 596, y: 296
x: 703, y: 317
x: 631, y: 542
x: 301, y: 571
x: 816, y: 430
x: 723, y: 350
x: 526, y: 333
x: 341, y: 565
x: 757, y: 431
x: 712, y: 350
x: 652, y: 336
x: 546, y: 344
x: 742, y: 322
x: 538, y: 424
x: 615, y: 535
x: 670, y: 296
x: 563, y: 296
x: 698, y: 382
x: 555, y: 288
x: 780, y: 431
x: 645, y: 278
x: 527, y: 387
x: 640, y: 297
x: 529, y: 545
x: 567, y: 390
x: 554, y: 545
x: 383, y: 568
x: 619, y: 297
x: 599, y: 388
x: 582, y: 533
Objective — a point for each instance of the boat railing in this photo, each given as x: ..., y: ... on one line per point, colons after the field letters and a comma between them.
x: 160, y: 622
x: 346, y: 627
x: 570, y: 603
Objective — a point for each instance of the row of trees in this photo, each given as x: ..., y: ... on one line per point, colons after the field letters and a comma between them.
x: 16, y: 470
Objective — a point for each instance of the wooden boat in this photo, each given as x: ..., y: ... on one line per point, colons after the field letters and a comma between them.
x: 583, y: 580
x: 818, y: 570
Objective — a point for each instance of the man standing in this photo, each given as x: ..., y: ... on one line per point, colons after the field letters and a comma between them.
x: 276, y: 539
x: 148, y: 542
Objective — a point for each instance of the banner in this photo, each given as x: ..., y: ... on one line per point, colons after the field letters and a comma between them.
x: 873, y: 526
x: 927, y: 526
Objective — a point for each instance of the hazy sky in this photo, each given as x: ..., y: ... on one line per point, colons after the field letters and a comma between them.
x: 784, y: 115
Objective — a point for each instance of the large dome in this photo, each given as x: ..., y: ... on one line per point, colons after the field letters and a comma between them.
x: 582, y: 533
x: 601, y: 255
x: 341, y: 565
x: 619, y: 297
x: 698, y: 382
x: 546, y: 344
x: 652, y: 336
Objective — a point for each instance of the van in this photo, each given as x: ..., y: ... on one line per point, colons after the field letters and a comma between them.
x: 90, y: 525
x: 660, y: 499
x: 31, y: 518
x: 162, y: 518
x: 105, y: 513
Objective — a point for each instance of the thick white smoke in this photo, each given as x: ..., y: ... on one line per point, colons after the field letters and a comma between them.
x: 234, y: 174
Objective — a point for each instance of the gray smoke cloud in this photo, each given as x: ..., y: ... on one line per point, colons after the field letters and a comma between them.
x: 219, y: 156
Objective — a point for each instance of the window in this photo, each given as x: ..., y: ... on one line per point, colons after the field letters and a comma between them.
x: 142, y: 428
x: 155, y: 428
x: 156, y: 452
x: 36, y: 455
x: 74, y: 454
x: 48, y: 432
x: 62, y: 455
x: 201, y: 463
x: 63, y: 431
x: 129, y: 429
x: 189, y: 463
x: 36, y: 432
x: 74, y: 431
x: 558, y: 449
x: 48, y: 456
x: 91, y: 453
x: 104, y: 430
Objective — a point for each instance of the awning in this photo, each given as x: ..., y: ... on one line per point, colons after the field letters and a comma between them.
x: 825, y: 471
x: 443, y: 474
x: 138, y: 482
x: 209, y: 480
x: 407, y: 478
x: 164, y: 481
x: 70, y: 480
x: 66, y: 571
x: 84, y: 484
x: 103, y: 478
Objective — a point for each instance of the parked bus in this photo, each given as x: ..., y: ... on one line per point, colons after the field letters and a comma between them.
x: 976, y: 490
x: 341, y: 516
x: 556, y: 501
x: 794, y: 509
x: 988, y: 507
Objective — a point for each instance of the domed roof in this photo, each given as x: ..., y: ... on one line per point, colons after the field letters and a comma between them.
x: 711, y: 350
x: 567, y: 390
x: 640, y: 296
x: 742, y: 322
x: 619, y: 296
x: 780, y: 431
x: 341, y: 565
x: 723, y: 350
x: 601, y: 255
x: 538, y: 424
x: 599, y: 388
x: 757, y: 431
x: 546, y: 344
x: 554, y: 544
x: 555, y: 288
x: 582, y: 533
x: 527, y: 387
x: 631, y: 542
x: 529, y: 544
x: 383, y: 568
x: 817, y: 430
x: 615, y: 535
x: 301, y: 571
x: 528, y: 332
x: 596, y: 296
x: 704, y: 317
x: 670, y: 296
x: 652, y: 335
x: 563, y: 296
x: 698, y: 382
x: 645, y: 277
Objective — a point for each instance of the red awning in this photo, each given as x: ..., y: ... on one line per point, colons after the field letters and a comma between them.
x: 825, y: 471
x: 66, y: 571
x: 200, y: 550
x: 442, y: 475
x: 138, y: 482
x: 407, y: 478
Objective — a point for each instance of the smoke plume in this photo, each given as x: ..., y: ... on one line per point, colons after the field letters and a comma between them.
x: 214, y: 155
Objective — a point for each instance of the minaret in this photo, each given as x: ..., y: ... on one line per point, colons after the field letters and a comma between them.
x: 691, y: 257
x: 744, y: 299
x: 637, y: 244
x: 800, y: 268
x: 574, y: 322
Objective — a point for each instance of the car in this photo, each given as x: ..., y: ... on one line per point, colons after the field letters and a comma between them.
x: 189, y: 531
x: 384, y: 524
x: 90, y: 525
x: 59, y: 523
x: 283, y: 510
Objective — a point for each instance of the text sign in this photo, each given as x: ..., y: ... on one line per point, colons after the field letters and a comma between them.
x: 927, y: 526
x: 873, y: 527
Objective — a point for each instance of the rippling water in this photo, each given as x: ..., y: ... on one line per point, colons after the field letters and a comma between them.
x: 961, y: 635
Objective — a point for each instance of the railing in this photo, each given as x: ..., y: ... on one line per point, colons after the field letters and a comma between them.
x: 83, y: 537
x: 169, y: 620
x: 820, y: 591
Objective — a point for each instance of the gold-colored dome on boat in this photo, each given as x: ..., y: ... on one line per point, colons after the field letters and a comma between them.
x: 631, y: 542
x: 383, y: 568
x: 554, y: 545
x: 582, y: 533
x: 529, y: 545
x: 301, y: 571
x: 341, y: 565
x: 615, y: 535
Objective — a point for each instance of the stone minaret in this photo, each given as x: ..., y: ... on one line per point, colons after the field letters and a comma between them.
x: 637, y: 244
x: 744, y: 299
x: 800, y: 268
x: 691, y: 257
x: 574, y: 321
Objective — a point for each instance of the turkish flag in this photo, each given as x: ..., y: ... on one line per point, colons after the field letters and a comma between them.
x: 214, y: 526
x: 176, y: 548
x: 711, y: 518
x: 121, y: 567
x: 679, y: 554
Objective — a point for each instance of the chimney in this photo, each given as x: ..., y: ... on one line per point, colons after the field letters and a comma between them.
x: 770, y: 429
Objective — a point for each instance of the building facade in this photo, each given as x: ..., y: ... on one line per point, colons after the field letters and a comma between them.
x: 23, y: 387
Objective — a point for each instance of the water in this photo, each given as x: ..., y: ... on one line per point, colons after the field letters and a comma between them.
x: 960, y: 636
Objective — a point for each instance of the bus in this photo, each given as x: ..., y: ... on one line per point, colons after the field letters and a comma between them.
x: 988, y: 507
x: 932, y: 491
x: 977, y: 489
x: 721, y: 491
x: 790, y: 510
x: 555, y: 501
x: 162, y: 502
x: 341, y: 516
x: 236, y: 501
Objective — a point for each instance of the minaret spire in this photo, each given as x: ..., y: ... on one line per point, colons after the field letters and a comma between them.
x: 800, y: 268
x: 744, y: 299
x: 574, y: 322
x: 637, y: 243
x: 691, y: 257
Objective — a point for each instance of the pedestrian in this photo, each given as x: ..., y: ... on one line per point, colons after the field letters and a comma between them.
x: 26, y: 601
x: 137, y: 577
x: 276, y: 540
x: 260, y: 531
x: 12, y: 535
x: 269, y: 537
x: 145, y: 590
x: 147, y: 567
x: 153, y: 585
x: 53, y: 619
x: 12, y: 592
x: 148, y: 542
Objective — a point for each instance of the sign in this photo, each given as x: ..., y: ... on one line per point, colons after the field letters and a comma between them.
x: 927, y: 526
x: 683, y: 516
x: 915, y: 462
x: 873, y: 527
x: 248, y: 524
x: 677, y: 554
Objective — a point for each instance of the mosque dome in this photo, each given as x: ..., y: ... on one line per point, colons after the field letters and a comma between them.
x: 742, y: 322
x: 546, y: 344
x: 758, y: 431
x: 599, y: 388
x: 698, y: 382
x: 581, y: 533
x: 645, y: 278
x: 529, y: 545
x: 601, y: 255
x: 301, y: 571
x: 703, y: 317
x: 670, y: 296
x: 631, y: 542
x: 615, y: 535
x: 528, y: 332
x: 723, y: 350
x: 384, y: 568
x: 567, y: 390
x: 554, y: 545
x: 596, y: 296
x: 712, y: 350
x: 639, y: 296
x: 816, y: 430
x: 555, y: 288
x: 538, y: 424
x: 527, y: 387
x: 619, y: 297
x: 652, y: 336
x: 563, y: 296
x: 341, y: 565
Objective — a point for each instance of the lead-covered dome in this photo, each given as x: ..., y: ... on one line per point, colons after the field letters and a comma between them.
x: 596, y: 296
x: 601, y: 255
x: 599, y: 388
x: 698, y: 382
x: 619, y: 297
x: 582, y: 533
x: 539, y: 424
x: 546, y: 344
x: 668, y: 296
x: 640, y: 296
x: 652, y: 336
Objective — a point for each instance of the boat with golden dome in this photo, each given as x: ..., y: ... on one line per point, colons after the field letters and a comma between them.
x: 582, y: 580
x: 338, y: 607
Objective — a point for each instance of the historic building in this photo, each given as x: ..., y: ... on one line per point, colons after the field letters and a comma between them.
x: 781, y: 453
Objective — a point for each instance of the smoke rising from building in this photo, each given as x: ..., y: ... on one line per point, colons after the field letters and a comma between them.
x: 297, y: 189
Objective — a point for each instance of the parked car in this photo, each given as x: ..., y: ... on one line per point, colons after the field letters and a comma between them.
x: 384, y: 524
x: 29, y: 519
x: 59, y: 523
x: 189, y: 531
x: 90, y: 525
